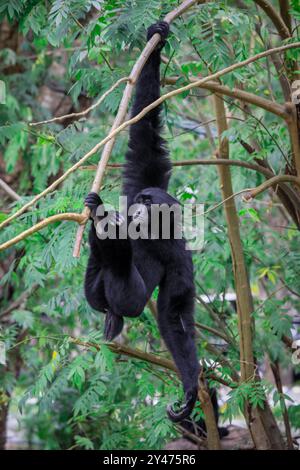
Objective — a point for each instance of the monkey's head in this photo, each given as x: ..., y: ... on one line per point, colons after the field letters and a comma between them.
x: 155, y: 207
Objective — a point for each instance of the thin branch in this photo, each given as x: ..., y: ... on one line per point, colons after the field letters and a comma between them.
x: 284, y: 6
x: 251, y: 98
x: 19, y: 301
x: 272, y: 182
x: 213, y: 161
x: 253, y: 192
x: 127, y: 351
x: 9, y: 190
x: 56, y: 51
x: 138, y: 117
x: 216, y: 317
x: 118, y: 348
x: 276, y: 373
x: 220, y: 358
x: 292, y: 123
x: 213, y: 331
x: 79, y: 218
x: 275, y: 18
x: 288, y: 342
x: 86, y: 111
x: 201, y: 441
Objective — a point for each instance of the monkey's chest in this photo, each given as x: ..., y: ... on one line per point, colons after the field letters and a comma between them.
x: 149, y: 264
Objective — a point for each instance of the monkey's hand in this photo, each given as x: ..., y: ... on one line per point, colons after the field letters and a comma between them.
x: 93, y: 201
x: 162, y: 28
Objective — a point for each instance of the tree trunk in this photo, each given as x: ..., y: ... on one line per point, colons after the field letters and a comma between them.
x: 261, y: 423
x: 3, y: 424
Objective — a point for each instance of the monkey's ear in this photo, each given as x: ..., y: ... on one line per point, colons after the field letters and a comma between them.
x: 113, y: 326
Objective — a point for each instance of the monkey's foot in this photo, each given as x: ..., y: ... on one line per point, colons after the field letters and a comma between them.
x: 183, y: 411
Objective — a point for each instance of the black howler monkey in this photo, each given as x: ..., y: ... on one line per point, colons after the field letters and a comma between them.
x: 122, y: 273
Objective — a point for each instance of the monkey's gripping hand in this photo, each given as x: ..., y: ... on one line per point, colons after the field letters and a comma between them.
x: 93, y: 201
x: 162, y: 28
x: 183, y: 411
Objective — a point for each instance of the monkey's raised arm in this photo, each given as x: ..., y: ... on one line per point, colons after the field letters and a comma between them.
x: 147, y: 162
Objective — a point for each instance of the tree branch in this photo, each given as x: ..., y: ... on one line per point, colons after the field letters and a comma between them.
x: 118, y: 348
x: 213, y: 161
x: 79, y: 218
x: 284, y: 6
x: 292, y: 123
x: 277, y: 377
x: 19, y: 301
x: 275, y: 18
x: 213, y: 331
x: 276, y: 373
x: 272, y: 182
x: 86, y: 111
x: 139, y: 116
x: 9, y: 190
x: 245, y: 96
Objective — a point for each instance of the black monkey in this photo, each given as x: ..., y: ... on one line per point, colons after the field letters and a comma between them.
x: 122, y: 273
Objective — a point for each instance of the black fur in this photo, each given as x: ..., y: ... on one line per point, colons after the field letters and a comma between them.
x: 122, y: 274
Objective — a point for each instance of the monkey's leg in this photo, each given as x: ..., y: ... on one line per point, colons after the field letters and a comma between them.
x: 176, y: 324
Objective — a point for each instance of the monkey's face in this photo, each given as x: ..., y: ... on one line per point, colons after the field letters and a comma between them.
x: 152, y: 208
x: 141, y: 214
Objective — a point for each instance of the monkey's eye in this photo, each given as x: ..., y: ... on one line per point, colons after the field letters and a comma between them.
x: 147, y: 201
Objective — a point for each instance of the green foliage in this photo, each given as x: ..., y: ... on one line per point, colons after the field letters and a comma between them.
x: 253, y: 392
x: 294, y: 415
